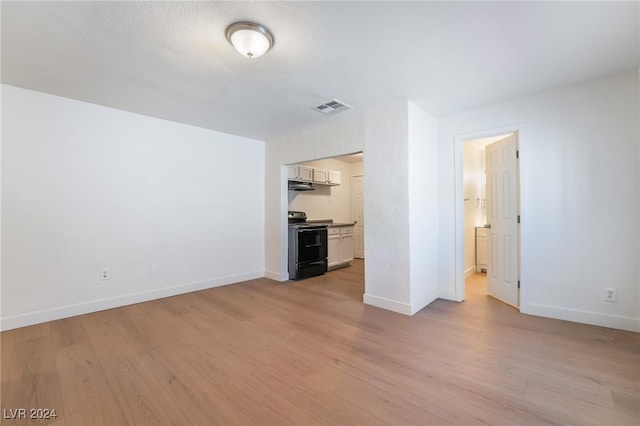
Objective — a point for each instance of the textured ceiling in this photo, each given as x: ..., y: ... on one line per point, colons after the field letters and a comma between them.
x: 171, y: 60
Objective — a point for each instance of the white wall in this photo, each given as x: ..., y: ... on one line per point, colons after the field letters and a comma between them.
x: 423, y: 207
x: 341, y: 136
x: 357, y: 168
x: 326, y: 202
x: 86, y: 187
x: 580, y: 198
x: 386, y: 209
x: 391, y: 203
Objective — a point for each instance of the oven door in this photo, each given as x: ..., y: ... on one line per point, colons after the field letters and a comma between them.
x: 310, y: 269
x: 311, y: 244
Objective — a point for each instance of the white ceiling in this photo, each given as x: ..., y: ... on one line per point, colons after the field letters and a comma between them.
x: 172, y: 61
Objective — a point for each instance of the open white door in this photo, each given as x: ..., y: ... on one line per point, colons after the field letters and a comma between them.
x: 502, y: 220
x: 357, y: 215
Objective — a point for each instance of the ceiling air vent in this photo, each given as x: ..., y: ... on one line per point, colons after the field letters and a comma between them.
x: 333, y: 107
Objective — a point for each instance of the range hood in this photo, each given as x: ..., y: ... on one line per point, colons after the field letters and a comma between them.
x: 294, y: 185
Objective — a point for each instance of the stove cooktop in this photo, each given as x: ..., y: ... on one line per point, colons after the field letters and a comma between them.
x: 307, y: 225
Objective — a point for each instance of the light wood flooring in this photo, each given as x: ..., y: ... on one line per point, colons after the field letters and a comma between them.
x: 310, y: 352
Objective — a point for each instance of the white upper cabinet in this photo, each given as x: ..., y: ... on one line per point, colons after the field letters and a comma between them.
x: 300, y: 173
x: 326, y: 177
x: 334, y: 177
x: 305, y: 173
x: 320, y: 176
x: 292, y: 173
x: 315, y: 175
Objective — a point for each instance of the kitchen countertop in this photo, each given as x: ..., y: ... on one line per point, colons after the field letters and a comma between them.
x: 330, y: 223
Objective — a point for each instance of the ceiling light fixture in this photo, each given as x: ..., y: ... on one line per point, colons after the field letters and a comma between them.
x: 249, y: 39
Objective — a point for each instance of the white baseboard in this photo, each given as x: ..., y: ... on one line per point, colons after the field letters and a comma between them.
x: 449, y: 295
x: 31, y: 318
x: 470, y: 271
x: 277, y: 276
x: 430, y: 297
x: 388, y: 304
x: 401, y: 307
x: 584, y: 317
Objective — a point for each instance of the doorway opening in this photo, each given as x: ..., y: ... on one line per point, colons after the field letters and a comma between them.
x: 336, y: 200
x: 489, y: 256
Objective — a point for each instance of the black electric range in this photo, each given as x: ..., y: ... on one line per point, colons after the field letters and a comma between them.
x: 307, y: 247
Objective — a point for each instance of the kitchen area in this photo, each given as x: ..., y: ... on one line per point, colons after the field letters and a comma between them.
x: 325, y: 215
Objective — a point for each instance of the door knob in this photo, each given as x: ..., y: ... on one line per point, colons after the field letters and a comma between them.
x: 487, y: 225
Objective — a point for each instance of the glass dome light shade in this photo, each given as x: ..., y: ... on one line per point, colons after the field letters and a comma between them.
x: 249, y: 39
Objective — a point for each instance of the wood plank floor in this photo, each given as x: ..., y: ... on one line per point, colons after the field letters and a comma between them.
x: 310, y: 352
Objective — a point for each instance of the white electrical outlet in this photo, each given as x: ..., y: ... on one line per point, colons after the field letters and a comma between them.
x: 154, y: 267
x: 610, y: 295
x: 105, y: 275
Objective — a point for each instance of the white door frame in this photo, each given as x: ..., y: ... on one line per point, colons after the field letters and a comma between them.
x: 353, y: 202
x: 459, y: 140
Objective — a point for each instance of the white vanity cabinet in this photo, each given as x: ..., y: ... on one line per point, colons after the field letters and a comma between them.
x: 481, y: 249
x: 340, y: 246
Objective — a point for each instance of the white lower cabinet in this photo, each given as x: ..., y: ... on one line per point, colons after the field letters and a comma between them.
x: 347, y: 248
x: 340, y: 247
x: 333, y: 247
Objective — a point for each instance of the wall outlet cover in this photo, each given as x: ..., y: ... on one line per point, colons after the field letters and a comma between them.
x: 610, y: 295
